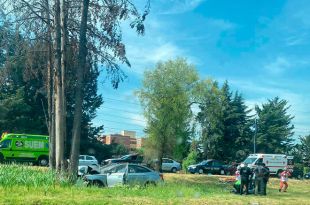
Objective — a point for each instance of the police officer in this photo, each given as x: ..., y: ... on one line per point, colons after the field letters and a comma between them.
x: 245, y: 173
x: 266, y: 177
x: 260, y: 173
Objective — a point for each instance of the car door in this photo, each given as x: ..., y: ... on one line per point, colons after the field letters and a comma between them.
x: 5, y: 148
x: 90, y: 160
x: 216, y: 167
x: 166, y: 165
x: 208, y: 167
x: 136, y: 175
x: 82, y: 160
x: 116, y: 176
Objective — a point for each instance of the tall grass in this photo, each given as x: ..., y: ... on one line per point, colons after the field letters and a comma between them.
x: 29, y: 176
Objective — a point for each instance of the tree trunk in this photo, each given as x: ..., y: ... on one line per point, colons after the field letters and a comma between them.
x: 79, y: 94
x: 50, y: 84
x: 64, y: 28
x: 59, y: 142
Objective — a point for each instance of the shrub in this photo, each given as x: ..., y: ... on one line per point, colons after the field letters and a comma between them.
x: 306, y: 170
x: 190, y: 159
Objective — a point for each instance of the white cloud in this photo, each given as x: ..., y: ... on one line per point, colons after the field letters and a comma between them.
x: 180, y: 6
x: 137, y: 119
x: 278, y: 66
x: 221, y: 24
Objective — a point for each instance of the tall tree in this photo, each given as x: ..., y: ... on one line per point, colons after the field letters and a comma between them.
x: 305, y: 147
x: 237, y: 134
x: 210, y: 118
x: 166, y: 98
x: 274, y: 128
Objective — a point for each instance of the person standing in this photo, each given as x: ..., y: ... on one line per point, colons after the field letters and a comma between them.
x: 245, y: 173
x: 284, y: 179
x: 266, y: 178
x: 260, y: 172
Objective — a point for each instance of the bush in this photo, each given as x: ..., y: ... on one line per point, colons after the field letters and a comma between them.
x: 190, y: 159
x: 306, y: 170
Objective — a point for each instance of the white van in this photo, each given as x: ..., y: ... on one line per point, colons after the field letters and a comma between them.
x: 275, y: 162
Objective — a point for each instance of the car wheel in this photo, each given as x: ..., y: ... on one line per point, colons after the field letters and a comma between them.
x: 222, y: 172
x: 43, y: 161
x: 200, y: 171
x: 174, y: 170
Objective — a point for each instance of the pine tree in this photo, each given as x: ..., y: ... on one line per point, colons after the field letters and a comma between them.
x: 274, y: 128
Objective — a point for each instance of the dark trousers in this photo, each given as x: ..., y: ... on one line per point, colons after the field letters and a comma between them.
x: 265, y: 187
x: 244, y: 182
x: 260, y: 187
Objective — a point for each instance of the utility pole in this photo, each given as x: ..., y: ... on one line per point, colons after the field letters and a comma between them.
x: 255, y: 136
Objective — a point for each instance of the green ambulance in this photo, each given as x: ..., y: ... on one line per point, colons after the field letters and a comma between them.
x: 24, y: 148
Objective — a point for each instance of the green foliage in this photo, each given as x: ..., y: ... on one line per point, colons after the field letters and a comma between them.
x: 306, y: 170
x: 305, y: 147
x: 23, y: 90
x: 166, y: 97
x: 21, y: 175
x: 190, y: 159
x: 119, y: 149
x: 225, y: 123
x: 274, y: 128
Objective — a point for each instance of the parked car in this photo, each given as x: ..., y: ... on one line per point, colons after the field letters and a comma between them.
x: 297, y: 173
x: 120, y: 174
x: 87, y: 160
x: 130, y: 158
x: 170, y: 165
x: 210, y: 166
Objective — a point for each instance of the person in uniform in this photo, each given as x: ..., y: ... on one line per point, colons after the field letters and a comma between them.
x: 266, y: 178
x: 245, y: 173
x: 259, y: 172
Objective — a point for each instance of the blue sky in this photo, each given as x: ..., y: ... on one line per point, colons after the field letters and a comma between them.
x: 262, y: 47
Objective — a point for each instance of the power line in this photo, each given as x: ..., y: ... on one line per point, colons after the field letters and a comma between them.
x: 124, y: 101
x: 122, y: 118
x: 124, y: 123
x: 111, y: 108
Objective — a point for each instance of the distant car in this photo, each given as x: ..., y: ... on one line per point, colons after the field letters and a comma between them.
x: 297, y: 173
x: 87, y: 160
x: 210, y: 166
x: 170, y: 165
x: 130, y: 158
x: 307, y: 175
x: 120, y: 174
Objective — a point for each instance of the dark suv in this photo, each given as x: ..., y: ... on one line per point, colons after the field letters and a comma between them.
x: 210, y: 166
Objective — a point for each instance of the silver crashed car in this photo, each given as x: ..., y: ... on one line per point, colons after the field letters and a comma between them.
x: 120, y: 174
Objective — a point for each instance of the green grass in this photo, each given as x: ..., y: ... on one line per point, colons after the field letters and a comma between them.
x: 30, y: 185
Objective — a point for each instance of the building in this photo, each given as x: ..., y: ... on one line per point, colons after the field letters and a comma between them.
x: 131, y: 134
x: 140, y: 143
x: 126, y: 138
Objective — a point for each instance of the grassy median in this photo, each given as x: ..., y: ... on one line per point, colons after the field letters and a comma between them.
x: 28, y: 185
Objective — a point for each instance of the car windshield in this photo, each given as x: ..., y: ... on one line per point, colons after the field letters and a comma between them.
x: 203, y: 162
x: 113, y: 168
x: 125, y: 157
x: 250, y: 160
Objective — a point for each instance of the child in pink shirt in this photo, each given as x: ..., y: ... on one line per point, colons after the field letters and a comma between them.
x: 284, y: 179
